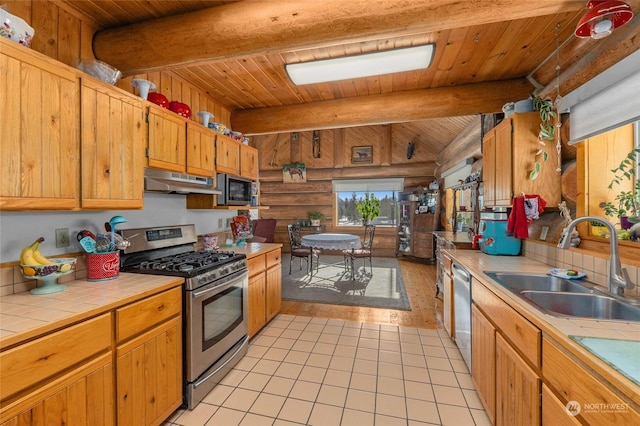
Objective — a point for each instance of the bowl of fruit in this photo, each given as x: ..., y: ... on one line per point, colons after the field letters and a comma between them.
x: 35, y: 265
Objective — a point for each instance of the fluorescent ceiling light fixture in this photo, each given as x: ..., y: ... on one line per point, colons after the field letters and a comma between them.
x: 365, y: 65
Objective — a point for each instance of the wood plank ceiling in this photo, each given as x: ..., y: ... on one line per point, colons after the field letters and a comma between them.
x: 509, y: 40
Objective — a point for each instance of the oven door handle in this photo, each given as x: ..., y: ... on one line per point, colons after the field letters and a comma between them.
x: 222, y: 284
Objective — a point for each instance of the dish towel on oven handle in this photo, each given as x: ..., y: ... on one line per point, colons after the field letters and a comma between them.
x: 517, y: 222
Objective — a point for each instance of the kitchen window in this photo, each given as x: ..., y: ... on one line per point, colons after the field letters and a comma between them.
x: 349, y: 192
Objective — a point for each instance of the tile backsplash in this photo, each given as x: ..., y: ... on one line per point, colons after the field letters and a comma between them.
x: 595, y: 267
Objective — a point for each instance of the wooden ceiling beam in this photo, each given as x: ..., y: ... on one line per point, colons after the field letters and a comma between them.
x: 394, y: 107
x: 243, y: 29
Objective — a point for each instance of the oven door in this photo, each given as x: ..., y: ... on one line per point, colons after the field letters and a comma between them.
x: 216, y: 319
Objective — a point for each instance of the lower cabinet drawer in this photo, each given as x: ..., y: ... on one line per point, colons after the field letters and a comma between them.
x: 138, y: 317
x: 273, y: 258
x: 256, y: 264
x: 49, y: 356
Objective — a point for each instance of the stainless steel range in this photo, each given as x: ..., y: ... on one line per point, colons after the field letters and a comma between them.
x: 215, y: 324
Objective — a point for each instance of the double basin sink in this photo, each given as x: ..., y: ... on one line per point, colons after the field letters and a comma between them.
x: 564, y: 297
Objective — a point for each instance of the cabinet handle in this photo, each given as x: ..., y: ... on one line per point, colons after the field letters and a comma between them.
x: 161, y: 308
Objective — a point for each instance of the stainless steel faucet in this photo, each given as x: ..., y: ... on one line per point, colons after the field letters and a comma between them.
x: 618, y: 278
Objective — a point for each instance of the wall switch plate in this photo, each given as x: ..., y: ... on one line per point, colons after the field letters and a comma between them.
x: 62, y: 237
x: 228, y: 223
x: 220, y: 223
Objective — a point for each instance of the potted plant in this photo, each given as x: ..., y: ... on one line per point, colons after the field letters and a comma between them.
x: 547, y: 130
x: 368, y: 207
x: 315, y: 218
x: 626, y: 207
x: 627, y: 203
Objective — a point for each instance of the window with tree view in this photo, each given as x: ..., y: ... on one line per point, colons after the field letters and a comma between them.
x: 348, y: 214
x: 350, y: 192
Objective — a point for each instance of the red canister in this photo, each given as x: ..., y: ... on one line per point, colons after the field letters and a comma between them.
x: 103, y: 266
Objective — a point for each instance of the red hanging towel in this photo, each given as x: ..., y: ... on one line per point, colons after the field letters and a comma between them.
x: 517, y: 222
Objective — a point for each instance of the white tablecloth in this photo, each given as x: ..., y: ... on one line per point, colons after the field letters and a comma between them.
x: 331, y: 241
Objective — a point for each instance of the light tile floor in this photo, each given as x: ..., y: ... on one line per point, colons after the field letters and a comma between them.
x: 326, y: 372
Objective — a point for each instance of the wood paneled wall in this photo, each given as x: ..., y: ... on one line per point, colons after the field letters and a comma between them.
x: 66, y: 35
x: 290, y: 201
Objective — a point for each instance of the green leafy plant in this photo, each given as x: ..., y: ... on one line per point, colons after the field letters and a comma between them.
x: 547, y: 131
x: 316, y: 216
x: 627, y: 202
x: 625, y: 169
x: 368, y: 207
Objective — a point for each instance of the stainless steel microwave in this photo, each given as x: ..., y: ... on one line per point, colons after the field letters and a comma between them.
x: 236, y: 191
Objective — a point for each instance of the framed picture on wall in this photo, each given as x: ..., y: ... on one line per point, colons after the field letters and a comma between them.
x: 294, y: 173
x: 362, y: 154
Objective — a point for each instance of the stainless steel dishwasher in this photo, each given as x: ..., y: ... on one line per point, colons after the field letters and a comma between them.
x: 462, y: 309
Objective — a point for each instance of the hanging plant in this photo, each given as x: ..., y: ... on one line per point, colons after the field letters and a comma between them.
x: 547, y: 131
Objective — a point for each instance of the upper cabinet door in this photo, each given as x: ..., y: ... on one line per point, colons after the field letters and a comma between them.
x: 167, y: 140
x: 113, y: 141
x: 227, y: 155
x: 201, y: 150
x: 503, y: 164
x: 489, y: 168
x: 248, y: 162
x: 39, y: 125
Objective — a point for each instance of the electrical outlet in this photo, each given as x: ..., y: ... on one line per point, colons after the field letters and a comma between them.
x: 220, y: 223
x: 228, y: 223
x: 62, y: 237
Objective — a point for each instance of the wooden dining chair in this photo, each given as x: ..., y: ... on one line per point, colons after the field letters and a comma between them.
x: 300, y: 251
x: 363, y: 253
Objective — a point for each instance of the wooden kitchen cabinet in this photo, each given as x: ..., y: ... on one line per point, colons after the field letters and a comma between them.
x: 149, y: 359
x: 167, y: 140
x: 114, y: 137
x: 40, y: 128
x: 273, y: 284
x: 571, y: 381
x: 227, y: 155
x: 508, y: 156
x: 554, y: 412
x: 265, y: 289
x: 483, y: 358
x: 65, y: 377
x: 257, y: 307
x: 517, y: 388
x: 248, y: 162
x: 506, y: 359
x: 201, y: 150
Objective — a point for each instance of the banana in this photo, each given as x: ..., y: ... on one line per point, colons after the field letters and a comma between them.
x: 39, y: 257
x: 27, y: 256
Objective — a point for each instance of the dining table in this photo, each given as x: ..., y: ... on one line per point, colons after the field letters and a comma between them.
x: 332, y: 241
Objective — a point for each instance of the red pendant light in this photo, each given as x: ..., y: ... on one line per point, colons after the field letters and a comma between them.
x: 603, y: 17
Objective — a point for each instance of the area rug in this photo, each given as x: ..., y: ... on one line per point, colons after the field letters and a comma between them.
x: 331, y: 284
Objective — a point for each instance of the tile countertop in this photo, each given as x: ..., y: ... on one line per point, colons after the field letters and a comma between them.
x: 24, y: 315
x: 557, y: 328
x: 254, y: 249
